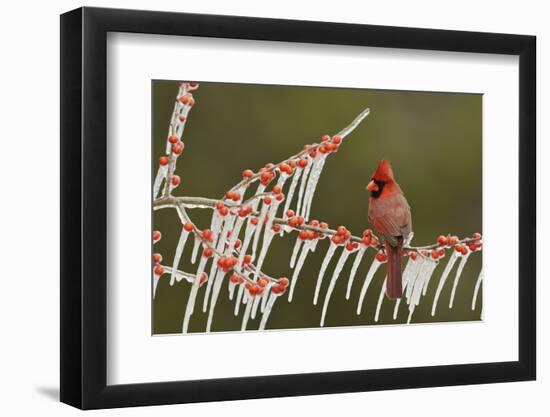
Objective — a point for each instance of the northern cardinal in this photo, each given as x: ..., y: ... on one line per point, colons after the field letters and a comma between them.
x: 390, y: 216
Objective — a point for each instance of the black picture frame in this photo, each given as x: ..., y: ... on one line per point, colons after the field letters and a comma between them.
x: 84, y: 207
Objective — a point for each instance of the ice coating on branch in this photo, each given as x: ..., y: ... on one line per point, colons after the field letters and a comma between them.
x: 380, y: 300
x: 155, y: 284
x: 295, y: 251
x: 235, y: 234
x: 267, y: 310
x: 355, y: 266
x: 196, y: 245
x: 476, y: 289
x: 161, y: 174
x: 193, y: 294
x: 258, y: 229
x: 326, y: 260
x: 177, y: 256
x: 305, y: 177
x: 339, y: 265
x: 443, y: 278
x: 313, y: 181
x: 368, y: 278
x: 301, y: 259
x: 461, y: 266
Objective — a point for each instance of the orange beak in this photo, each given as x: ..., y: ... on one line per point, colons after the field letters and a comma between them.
x: 372, y: 186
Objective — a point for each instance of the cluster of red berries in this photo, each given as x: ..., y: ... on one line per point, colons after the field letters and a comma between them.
x: 157, y: 259
x: 227, y: 263
x: 447, y: 240
x: 267, y: 174
x: 381, y: 257
x: 437, y: 253
x: 311, y: 234
x: 222, y: 209
x: 287, y: 168
x: 369, y: 239
x: 187, y: 99
x: 280, y: 288
x: 294, y: 221
x: 342, y: 236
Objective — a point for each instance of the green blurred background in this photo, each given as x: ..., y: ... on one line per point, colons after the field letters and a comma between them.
x: 434, y: 141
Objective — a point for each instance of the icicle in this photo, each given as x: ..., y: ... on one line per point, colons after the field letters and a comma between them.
x: 476, y: 290
x: 406, y: 276
x: 290, y: 194
x: 368, y: 278
x: 255, y: 302
x: 415, y: 271
x: 193, y: 294
x: 215, y: 226
x: 339, y: 265
x: 177, y: 256
x: 425, y: 273
x: 231, y: 289
x: 328, y: 256
x: 246, y: 314
x: 265, y: 295
x: 301, y: 259
x: 302, y: 186
x: 268, y: 237
x: 315, y: 180
x: 258, y: 229
x: 443, y: 278
x: 215, y: 293
x: 356, y: 262
x: 380, y: 300
x: 295, y: 251
x: 238, y: 300
x: 161, y: 174
x: 411, y: 311
x: 249, y: 231
x: 267, y: 310
x: 155, y: 283
x: 457, y: 277
x: 196, y: 245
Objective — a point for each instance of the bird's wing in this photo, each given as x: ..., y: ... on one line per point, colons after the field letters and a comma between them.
x: 391, y: 217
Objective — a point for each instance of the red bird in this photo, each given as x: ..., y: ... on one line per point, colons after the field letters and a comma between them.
x: 390, y: 216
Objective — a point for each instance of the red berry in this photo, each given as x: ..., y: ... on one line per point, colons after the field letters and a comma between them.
x: 267, y: 200
x: 157, y: 257
x: 434, y: 253
x: 159, y: 270
x: 247, y: 259
x: 476, y: 235
x: 350, y: 246
x: 442, y: 240
x: 193, y: 84
x: 178, y: 148
x: 204, y: 278
x: 191, y: 102
x: 277, y: 189
x: 188, y: 227
x: 413, y: 255
x: 323, y: 225
x: 325, y: 138
x: 303, y: 234
x: 262, y: 282
x: 381, y: 257
x: 156, y: 236
x: 276, y: 228
x: 283, y: 281
x: 289, y: 213
x: 236, y: 196
x: 284, y: 167
x: 366, y: 240
x: 237, y: 244
x: 163, y: 160
x: 302, y: 163
x: 207, y: 252
x: 247, y: 173
x: 207, y: 234
x: 229, y: 195
x: 173, y: 139
x: 452, y: 240
x: 184, y: 99
x: 175, y: 180
x: 280, y: 197
x: 341, y: 230
x: 234, y: 278
x: 181, y: 117
x: 254, y: 221
x: 336, y: 139
x: 336, y: 240
x: 223, y: 211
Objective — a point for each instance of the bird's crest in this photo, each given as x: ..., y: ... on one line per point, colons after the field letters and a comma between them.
x: 383, y: 171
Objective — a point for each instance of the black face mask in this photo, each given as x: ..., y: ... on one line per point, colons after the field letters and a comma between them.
x: 380, y: 184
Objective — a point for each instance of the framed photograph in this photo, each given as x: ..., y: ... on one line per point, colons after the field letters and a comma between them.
x: 258, y: 208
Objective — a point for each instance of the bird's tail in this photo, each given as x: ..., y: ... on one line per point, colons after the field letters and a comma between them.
x: 394, y: 285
